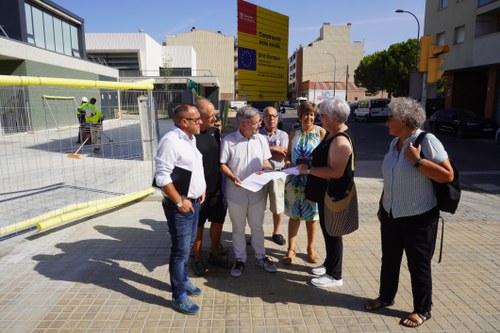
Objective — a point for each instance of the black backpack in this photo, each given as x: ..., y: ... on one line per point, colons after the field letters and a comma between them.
x: 447, y: 194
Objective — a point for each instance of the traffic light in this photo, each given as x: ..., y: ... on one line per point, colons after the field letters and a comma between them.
x: 429, y: 58
x: 433, y: 71
x: 425, y: 45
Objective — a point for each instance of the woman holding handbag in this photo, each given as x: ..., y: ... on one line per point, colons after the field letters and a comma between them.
x: 408, y: 213
x: 332, y: 160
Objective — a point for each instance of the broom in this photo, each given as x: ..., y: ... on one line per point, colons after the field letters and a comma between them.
x: 75, y: 155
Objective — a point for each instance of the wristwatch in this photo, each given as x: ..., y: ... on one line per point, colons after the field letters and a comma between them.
x: 180, y: 203
x: 418, y: 163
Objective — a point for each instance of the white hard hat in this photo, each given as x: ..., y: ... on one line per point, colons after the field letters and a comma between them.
x: 84, y: 99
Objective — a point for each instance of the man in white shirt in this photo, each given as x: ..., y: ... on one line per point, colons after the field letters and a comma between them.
x: 179, y: 173
x: 275, y: 189
x: 244, y: 152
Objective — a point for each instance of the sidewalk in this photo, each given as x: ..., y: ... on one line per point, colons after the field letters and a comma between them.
x: 110, y: 274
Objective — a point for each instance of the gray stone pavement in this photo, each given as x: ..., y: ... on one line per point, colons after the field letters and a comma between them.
x: 109, y: 273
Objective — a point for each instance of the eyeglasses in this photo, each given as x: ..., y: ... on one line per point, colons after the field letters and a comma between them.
x: 271, y: 116
x: 254, y: 125
x: 196, y: 120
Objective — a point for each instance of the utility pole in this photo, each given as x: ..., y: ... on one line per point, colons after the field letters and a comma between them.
x: 346, y: 81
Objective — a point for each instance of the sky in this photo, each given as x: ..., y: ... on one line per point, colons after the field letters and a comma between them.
x: 373, y: 22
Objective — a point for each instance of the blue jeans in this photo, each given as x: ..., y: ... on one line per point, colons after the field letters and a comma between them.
x: 182, y: 228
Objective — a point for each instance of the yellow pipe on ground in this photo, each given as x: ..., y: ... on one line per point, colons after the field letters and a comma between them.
x: 100, y: 206
x: 62, y: 211
x: 16, y: 80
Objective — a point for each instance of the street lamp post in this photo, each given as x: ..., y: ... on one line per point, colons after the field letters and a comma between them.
x: 334, y: 69
x: 418, y: 34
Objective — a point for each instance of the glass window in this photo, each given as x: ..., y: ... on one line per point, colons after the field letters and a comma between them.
x: 443, y: 4
x: 38, y: 27
x: 484, y: 2
x: 459, y: 34
x: 29, y: 24
x: 74, y: 42
x: 440, y: 38
x: 66, y: 38
x: 49, y: 31
x: 58, y: 35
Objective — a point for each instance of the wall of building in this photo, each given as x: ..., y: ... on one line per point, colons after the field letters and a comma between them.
x: 472, y: 64
x: 330, y: 57
x: 149, y: 52
x: 214, y: 52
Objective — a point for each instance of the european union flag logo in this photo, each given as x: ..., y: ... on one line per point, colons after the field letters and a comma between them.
x: 247, y: 59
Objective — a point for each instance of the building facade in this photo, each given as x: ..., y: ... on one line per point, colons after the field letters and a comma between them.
x: 214, y: 54
x: 174, y: 68
x: 472, y: 31
x: 332, y: 57
x: 40, y: 38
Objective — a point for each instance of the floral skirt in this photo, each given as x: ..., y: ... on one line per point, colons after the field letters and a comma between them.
x: 297, y: 206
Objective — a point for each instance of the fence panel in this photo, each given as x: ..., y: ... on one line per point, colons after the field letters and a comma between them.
x: 38, y: 174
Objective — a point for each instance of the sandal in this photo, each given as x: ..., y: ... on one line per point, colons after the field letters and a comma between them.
x: 377, y: 303
x: 312, y: 257
x: 415, y: 319
x: 290, y: 256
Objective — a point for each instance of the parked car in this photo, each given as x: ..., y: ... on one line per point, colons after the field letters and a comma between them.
x: 461, y: 122
x: 372, y: 109
x: 237, y: 104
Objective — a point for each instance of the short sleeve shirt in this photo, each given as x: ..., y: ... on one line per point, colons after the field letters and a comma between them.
x: 244, y: 157
x: 407, y: 191
x: 278, y: 138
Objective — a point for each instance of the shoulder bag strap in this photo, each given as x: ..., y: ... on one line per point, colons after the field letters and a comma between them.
x: 418, y: 141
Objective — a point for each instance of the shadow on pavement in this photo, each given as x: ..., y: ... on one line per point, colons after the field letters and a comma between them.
x: 102, y: 262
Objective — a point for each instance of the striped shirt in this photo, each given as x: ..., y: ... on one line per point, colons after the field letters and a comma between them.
x: 277, y: 138
x: 407, y: 191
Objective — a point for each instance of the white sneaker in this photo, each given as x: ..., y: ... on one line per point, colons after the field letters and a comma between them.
x: 326, y: 280
x: 267, y: 264
x: 318, y: 271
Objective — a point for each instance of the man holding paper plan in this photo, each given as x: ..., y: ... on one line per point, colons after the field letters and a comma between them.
x: 180, y: 175
x: 244, y: 152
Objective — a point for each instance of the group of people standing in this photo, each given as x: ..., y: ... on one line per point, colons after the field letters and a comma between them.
x: 90, y: 120
x: 215, y: 168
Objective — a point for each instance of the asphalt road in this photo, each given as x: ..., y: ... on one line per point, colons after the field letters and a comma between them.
x: 478, y: 159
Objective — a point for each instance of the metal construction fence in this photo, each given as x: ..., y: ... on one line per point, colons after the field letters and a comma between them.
x: 42, y: 183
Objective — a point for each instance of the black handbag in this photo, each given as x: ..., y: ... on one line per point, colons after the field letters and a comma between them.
x: 447, y: 194
x: 315, y: 188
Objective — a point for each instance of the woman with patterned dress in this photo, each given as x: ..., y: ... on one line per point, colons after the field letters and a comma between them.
x: 302, y: 142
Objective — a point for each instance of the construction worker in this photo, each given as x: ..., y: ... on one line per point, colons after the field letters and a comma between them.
x: 84, y: 128
x: 94, y: 117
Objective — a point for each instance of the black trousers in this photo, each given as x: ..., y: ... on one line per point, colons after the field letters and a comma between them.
x: 334, y: 247
x: 416, y: 236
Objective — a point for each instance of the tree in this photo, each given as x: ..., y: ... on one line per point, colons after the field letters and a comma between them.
x: 166, y: 71
x: 388, y: 70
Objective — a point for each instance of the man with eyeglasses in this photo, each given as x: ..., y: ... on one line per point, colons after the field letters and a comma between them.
x: 244, y: 152
x: 180, y: 175
x: 214, y: 208
x: 275, y: 189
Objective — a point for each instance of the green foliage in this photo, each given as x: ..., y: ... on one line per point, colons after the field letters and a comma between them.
x: 388, y: 70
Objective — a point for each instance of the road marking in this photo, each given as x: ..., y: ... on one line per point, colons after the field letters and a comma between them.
x: 474, y: 173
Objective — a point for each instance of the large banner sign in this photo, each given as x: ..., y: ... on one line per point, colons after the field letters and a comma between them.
x: 262, y: 53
